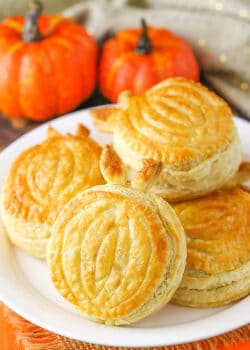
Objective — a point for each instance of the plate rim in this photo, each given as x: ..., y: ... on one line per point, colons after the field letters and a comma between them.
x: 136, y: 340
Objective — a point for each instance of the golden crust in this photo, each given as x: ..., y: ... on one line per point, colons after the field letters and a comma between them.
x: 104, y: 118
x: 82, y: 131
x: 114, y: 171
x: 177, y: 122
x: 218, y: 243
x: 147, y: 176
x: 112, y: 168
x: 184, y: 125
x: 52, y: 132
x: 41, y: 180
x: 116, y: 253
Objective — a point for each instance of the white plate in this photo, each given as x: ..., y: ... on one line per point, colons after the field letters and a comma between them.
x: 25, y: 286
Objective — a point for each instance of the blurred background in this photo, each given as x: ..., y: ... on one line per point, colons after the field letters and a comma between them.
x: 13, y: 7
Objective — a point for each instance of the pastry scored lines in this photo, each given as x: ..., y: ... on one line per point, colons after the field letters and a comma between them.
x: 212, y: 105
x: 32, y: 177
x: 59, y: 183
x: 73, y: 228
x: 106, y: 236
x: 200, y: 99
x: 105, y: 297
x: 172, y: 114
x: 41, y: 180
x: 218, y: 260
x: 70, y: 225
x: 143, y: 179
x: 154, y: 123
x: 147, y: 120
x: 22, y: 182
x: 119, y: 216
x: 73, y: 162
x: 145, y: 276
x: 77, y: 165
x: 90, y: 218
x: 135, y: 226
x: 116, y: 261
x: 232, y: 277
x: 101, y: 278
x: 172, y: 85
x: 49, y: 189
x: 143, y: 136
x: 62, y: 179
x: 223, y: 238
x: 140, y: 211
x: 189, y: 110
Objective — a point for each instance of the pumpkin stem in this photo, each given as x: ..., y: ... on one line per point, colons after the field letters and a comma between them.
x: 144, y: 45
x: 31, y: 32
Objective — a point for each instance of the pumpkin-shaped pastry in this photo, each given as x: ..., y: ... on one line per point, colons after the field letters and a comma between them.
x: 137, y: 59
x: 218, y: 249
x: 116, y: 252
x: 41, y: 180
x: 185, y: 126
x: 47, y: 65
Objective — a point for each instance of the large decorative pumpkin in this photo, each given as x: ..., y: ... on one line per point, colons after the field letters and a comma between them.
x: 137, y: 59
x: 47, y: 65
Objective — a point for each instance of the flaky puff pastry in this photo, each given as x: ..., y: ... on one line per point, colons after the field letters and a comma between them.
x: 41, y: 180
x: 116, y: 252
x: 218, y: 249
x: 186, y: 127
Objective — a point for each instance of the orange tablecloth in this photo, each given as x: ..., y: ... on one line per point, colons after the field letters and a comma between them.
x: 18, y: 334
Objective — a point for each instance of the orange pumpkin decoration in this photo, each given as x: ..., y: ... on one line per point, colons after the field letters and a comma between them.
x: 47, y: 65
x: 138, y: 59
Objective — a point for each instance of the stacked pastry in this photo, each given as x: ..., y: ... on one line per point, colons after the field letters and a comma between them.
x: 191, y: 131
x: 115, y: 251
x: 41, y: 181
x: 118, y: 251
x: 186, y: 127
x: 218, y: 243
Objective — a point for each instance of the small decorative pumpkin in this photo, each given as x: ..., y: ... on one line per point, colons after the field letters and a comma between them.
x: 47, y: 65
x: 137, y: 59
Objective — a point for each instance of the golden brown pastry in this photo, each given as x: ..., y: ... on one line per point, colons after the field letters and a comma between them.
x: 116, y: 252
x: 186, y: 127
x: 41, y: 180
x: 218, y: 249
x: 104, y: 118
